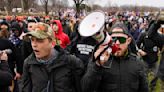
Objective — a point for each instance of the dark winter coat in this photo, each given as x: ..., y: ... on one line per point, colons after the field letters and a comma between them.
x: 150, y: 41
x: 6, y: 44
x: 125, y: 75
x: 60, y: 76
x: 5, y: 76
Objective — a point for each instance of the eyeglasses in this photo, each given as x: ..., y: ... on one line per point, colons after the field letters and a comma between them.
x: 120, y: 39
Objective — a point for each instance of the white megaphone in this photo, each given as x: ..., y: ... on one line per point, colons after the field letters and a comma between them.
x: 94, y: 25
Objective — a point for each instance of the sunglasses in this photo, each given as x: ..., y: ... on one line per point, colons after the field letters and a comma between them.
x: 120, y: 39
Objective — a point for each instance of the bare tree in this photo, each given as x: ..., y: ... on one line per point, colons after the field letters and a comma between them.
x: 78, y: 4
x: 108, y: 4
x: 90, y: 2
x: 2, y: 3
x: 27, y: 4
x: 16, y: 4
x: 64, y: 3
x: 58, y: 4
x: 9, y: 4
x: 45, y: 4
x: 96, y: 6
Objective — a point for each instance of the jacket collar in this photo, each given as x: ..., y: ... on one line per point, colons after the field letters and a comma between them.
x: 57, y: 62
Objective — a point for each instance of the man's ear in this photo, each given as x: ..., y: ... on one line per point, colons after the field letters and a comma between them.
x: 53, y: 44
x: 129, y: 39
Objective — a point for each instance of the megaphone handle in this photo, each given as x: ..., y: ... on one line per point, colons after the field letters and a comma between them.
x: 98, y: 57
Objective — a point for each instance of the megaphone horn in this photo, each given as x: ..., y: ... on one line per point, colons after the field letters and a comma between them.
x: 92, y: 24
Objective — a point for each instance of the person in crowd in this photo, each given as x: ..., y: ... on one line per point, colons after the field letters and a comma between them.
x: 66, y: 27
x: 26, y: 48
x: 161, y: 69
x: 62, y: 38
x: 6, y: 44
x: 31, y: 23
x: 161, y: 66
x: 122, y: 71
x: 49, y: 68
x: 82, y: 47
x: 47, y: 20
x: 14, y: 38
x: 4, y: 27
x: 135, y: 31
x: 150, y: 43
x: 5, y: 73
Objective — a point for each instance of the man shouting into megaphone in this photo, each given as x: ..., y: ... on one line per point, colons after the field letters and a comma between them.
x: 121, y: 71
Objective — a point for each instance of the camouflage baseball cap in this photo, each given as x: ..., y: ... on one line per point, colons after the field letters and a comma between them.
x: 42, y: 31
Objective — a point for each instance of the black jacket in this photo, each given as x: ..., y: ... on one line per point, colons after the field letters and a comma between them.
x: 149, y: 42
x: 6, y: 44
x: 61, y: 76
x: 152, y: 32
x: 82, y: 47
x: 125, y: 75
x: 5, y: 77
x: 26, y: 48
x: 150, y: 46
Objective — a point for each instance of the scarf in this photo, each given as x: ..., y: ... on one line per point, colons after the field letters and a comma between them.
x: 15, y: 40
x: 53, y: 56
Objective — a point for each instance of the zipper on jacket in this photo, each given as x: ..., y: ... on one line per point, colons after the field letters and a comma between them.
x: 48, y: 86
x: 119, y: 76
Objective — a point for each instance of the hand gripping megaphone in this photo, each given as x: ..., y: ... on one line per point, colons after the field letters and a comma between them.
x: 94, y: 25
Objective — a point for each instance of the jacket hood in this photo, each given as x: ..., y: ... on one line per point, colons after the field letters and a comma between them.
x: 122, y: 26
x: 60, y: 30
x: 16, y: 26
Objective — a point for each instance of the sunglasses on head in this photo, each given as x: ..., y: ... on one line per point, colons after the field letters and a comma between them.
x: 120, y: 39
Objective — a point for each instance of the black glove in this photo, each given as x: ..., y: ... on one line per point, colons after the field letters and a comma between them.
x: 160, y: 22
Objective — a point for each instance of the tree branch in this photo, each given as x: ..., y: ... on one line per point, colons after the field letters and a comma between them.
x: 81, y: 1
x: 75, y: 1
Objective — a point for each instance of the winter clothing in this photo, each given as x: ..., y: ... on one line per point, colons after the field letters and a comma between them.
x: 149, y: 42
x: 61, y: 75
x: 5, y: 76
x: 6, y: 44
x: 64, y: 39
x: 125, y: 75
x: 82, y: 47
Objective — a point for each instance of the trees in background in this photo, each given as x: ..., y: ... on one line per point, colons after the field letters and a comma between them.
x: 45, y: 5
x: 78, y: 6
x: 27, y: 4
x: 56, y: 5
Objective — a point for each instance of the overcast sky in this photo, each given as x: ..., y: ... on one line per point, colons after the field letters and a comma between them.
x: 156, y: 3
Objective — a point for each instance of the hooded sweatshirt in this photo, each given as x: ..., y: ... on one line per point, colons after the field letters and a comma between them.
x: 60, y: 35
x: 13, y: 37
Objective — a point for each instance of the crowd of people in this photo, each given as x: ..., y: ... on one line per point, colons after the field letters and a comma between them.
x: 47, y: 54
